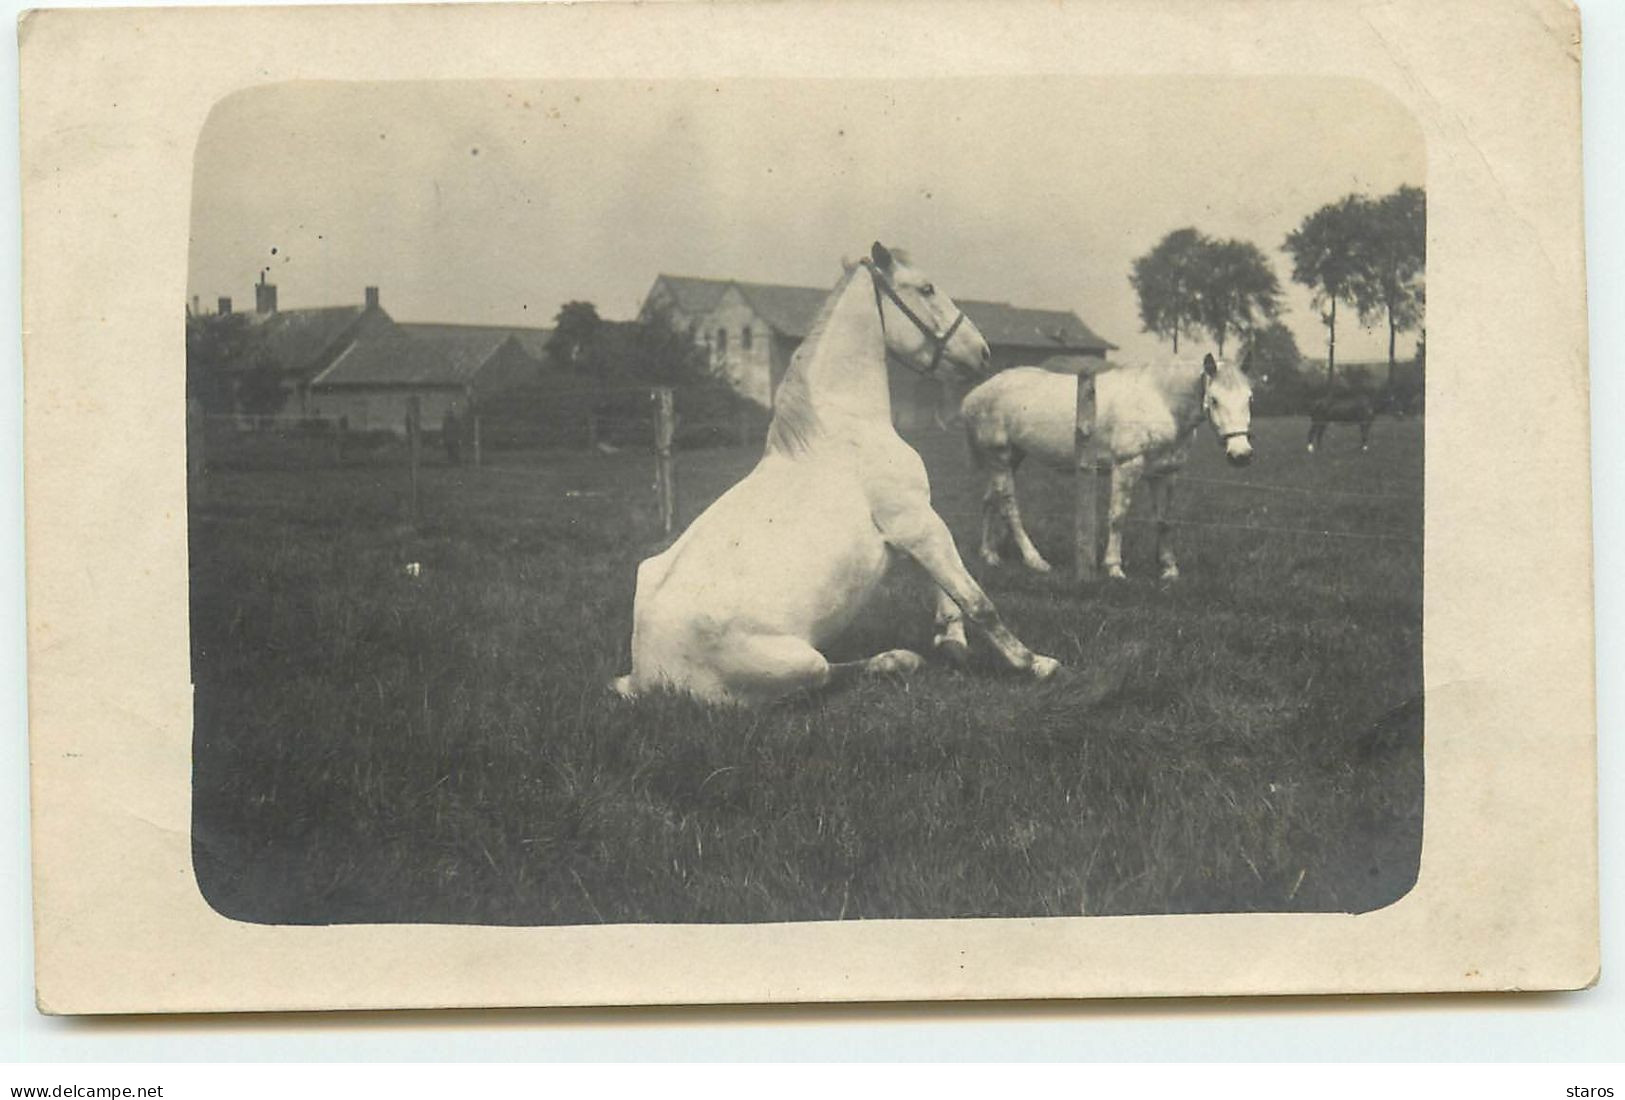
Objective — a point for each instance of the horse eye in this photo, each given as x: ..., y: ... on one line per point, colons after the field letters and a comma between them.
x: 927, y: 289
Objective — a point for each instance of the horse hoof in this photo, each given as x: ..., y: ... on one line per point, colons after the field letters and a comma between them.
x: 622, y: 686
x: 953, y: 650
x: 991, y: 557
x: 1043, y: 668
x: 1170, y: 572
x: 1039, y: 565
x: 896, y: 662
x: 1311, y: 448
x: 1115, y: 573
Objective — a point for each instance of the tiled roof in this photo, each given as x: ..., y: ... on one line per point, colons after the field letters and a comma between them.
x: 693, y: 296
x: 406, y: 360
x: 533, y: 340
x: 301, y: 339
x: 790, y: 310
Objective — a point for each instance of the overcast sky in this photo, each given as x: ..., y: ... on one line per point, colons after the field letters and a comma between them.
x: 484, y: 202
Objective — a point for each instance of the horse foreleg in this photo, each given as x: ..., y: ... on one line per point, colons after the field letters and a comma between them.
x: 1365, y: 436
x: 1125, y: 475
x: 923, y: 536
x: 1316, y: 430
x: 950, y: 637
x: 1162, y: 501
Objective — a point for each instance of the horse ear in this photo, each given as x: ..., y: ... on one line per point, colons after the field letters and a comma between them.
x: 881, y: 256
x: 1210, y: 366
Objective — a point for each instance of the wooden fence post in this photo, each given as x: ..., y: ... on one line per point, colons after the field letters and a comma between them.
x: 665, y: 474
x: 1087, y: 505
x: 414, y: 446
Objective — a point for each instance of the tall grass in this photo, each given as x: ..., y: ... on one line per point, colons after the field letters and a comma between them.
x: 376, y: 746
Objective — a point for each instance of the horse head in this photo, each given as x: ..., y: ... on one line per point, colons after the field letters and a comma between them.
x: 925, y: 330
x: 1227, y: 399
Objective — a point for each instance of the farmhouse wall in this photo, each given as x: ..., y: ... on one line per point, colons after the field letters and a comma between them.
x: 741, y: 347
x: 366, y: 410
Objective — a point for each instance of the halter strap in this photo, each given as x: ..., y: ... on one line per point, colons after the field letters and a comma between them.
x: 939, y: 342
x: 1207, y: 382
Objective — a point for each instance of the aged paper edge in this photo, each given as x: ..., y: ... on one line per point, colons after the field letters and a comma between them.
x: 1507, y: 899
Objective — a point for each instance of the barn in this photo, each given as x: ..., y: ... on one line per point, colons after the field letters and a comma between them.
x: 302, y: 343
x: 369, y: 385
x: 752, y: 329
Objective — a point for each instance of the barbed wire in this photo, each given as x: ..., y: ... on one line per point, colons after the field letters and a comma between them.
x: 1140, y: 521
x: 1410, y: 497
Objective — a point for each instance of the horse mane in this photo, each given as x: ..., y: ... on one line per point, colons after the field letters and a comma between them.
x: 1179, y: 380
x: 795, y: 420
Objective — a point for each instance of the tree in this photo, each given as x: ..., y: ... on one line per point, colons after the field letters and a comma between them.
x: 667, y: 355
x: 215, y: 343
x: 1166, y: 281
x: 260, y: 390
x: 577, y: 342
x: 1271, y: 351
x: 1326, y: 251
x: 1235, y: 288
x: 1390, y: 282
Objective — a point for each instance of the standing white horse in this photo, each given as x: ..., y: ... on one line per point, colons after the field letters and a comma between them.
x: 1144, y: 419
x: 737, y: 608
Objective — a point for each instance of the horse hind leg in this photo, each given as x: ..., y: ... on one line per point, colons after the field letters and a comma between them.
x: 992, y: 524
x: 1011, y: 509
x: 1000, y: 463
x: 1125, y: 475
x: 893, y: 662
x: 759, y: 668
x: 1162, y: 501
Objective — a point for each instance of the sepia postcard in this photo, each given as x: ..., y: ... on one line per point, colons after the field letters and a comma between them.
x: 552, y: 504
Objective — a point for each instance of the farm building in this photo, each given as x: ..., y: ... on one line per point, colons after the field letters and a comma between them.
x: 752, y: 329
x: 369, y: 384
x: 301, y: 343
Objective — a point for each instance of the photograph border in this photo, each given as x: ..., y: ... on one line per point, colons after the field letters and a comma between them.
x: 1507, y: 893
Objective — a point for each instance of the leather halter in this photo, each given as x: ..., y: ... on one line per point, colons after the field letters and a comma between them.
x: 939, y: 342
x: 1224, y: 437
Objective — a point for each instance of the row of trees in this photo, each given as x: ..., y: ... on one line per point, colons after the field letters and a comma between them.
x: 1369, y: 254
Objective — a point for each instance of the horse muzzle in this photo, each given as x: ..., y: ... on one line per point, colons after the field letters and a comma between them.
x: 1238, y: 448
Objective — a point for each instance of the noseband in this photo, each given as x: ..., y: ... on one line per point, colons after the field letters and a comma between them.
x: 939, y: 342
x: 1224, y: 437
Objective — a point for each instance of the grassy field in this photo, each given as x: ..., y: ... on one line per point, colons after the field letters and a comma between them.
x: 376, y: 746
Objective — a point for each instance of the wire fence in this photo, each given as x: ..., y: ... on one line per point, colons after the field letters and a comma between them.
x: 649, y: 421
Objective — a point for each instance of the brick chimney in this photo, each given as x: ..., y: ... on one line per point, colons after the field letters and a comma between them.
x: 264, y: 296
x: 372, y: 297
x: 225, y: 305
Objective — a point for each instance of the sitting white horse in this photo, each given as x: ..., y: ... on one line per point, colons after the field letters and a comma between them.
x: 737, y: 608
x: 1144, y: 419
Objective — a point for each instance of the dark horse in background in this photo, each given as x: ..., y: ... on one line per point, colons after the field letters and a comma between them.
x: 1350, y: 407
